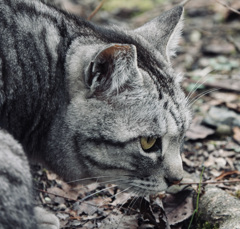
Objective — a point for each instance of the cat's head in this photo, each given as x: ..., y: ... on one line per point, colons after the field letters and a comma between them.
x: 128, y: 114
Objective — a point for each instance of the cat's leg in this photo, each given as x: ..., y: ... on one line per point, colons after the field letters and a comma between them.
x: 16, y: 203
x: 45, y: 219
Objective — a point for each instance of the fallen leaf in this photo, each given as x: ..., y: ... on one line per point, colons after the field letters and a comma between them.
x: 233, y: 106
x: 188, y: 162
x: 179, y: 207
x: 210, y: 161
x: 65, y: 192
x: 220, y: 162
x: 121, y: 198
x: 224, y: 97
x: 224, y: 153
x: 230, y: 162
x: 51, y: 175
x: 198, y: 131
x: 236, y: 134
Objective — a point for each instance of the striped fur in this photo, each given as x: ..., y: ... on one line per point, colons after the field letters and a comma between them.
x: 78, y: 97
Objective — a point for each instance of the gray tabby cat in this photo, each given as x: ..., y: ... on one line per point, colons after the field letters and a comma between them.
x: 86, y: 101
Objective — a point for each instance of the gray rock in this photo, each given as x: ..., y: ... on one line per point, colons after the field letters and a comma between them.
x: 218, y: 207
x: 218, y: 116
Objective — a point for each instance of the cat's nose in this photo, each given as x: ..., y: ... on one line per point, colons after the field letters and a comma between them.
x: 173, y: 180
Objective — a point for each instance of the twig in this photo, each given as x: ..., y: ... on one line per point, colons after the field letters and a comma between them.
x: 96, y: 10
x: 229, y: 7
x: 211, y: 182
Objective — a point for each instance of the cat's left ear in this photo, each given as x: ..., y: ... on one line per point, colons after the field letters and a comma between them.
x: 111, y: 68
x: 164, y: 31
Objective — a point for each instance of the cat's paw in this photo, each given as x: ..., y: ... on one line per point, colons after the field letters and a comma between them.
x: 45, y: 219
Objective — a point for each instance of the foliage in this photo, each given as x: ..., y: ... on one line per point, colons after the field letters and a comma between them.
x: 237, y: 194
x: 207, y: 225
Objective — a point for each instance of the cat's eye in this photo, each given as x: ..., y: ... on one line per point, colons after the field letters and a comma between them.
x: 147, y: 143
x: 151, y: 144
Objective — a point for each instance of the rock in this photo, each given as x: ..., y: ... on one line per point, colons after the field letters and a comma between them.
x: 224, y: 130
x: 218, y: 207
x: 210, y: 147
x: 217, y: 116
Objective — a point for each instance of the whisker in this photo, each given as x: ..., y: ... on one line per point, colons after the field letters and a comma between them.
x: 111, y: 181
x: 104, y: 182
x: 140, y: 206
x: 123, y: 202
x: 87, y: 197
x: 92, y: 178
x: 205, y: 72
x: 196, y: 86
x: 201, y: 95
x: 115, y: 195
x: 130, y: 194
x: 130, y: 205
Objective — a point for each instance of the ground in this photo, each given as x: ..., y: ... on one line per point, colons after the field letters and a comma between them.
x: 209, y: 56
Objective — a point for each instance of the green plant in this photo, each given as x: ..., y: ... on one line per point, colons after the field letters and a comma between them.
x: 207, y: 225
x: 198, y: 197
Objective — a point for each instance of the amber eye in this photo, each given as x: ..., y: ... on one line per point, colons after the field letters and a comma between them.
x: 147, y: 143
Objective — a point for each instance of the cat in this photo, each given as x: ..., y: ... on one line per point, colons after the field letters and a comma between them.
x: 86, y: 101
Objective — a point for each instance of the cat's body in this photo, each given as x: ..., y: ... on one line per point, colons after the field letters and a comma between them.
x: 88, y: 101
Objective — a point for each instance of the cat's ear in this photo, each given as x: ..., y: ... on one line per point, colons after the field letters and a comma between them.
x: 164, y: 31
x: 110, y: 68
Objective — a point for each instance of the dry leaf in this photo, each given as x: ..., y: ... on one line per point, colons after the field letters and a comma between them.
x: 51, y: 175
x: 179, y: 206
x: 224, y: 97
x: 198, y: 131
x: 236, y: 134
x: 233, y: 106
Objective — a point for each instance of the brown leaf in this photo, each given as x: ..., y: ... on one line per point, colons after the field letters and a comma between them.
x: 121, y: 198
x: 187, y: 161
x: 179, y: 207
x: 198, y: 131
x: 51, y: 175
x: 224, y: 97
x: 233, y: 106
x: 65, y: 192
x: 236, y: 134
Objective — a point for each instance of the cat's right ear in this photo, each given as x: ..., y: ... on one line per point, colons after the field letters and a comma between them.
x: 164, y: 31
x: 111, y: 68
